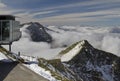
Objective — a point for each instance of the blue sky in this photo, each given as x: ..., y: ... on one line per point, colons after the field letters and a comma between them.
x: 64, y: 12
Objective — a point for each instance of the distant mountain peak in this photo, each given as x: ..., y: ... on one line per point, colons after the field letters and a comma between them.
x: 38, y: 32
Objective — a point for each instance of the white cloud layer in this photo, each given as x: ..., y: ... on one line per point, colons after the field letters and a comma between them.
x: 105, y: 38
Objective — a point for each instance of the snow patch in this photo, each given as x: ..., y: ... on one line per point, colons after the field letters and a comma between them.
x: 2, y: 56
x: 33, y: 65
x: 37, y: 69
x: 69, y: 55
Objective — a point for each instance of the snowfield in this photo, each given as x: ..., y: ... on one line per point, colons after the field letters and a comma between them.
x: 68, y: 56
x: 33, y: 65
x: 40, y: 71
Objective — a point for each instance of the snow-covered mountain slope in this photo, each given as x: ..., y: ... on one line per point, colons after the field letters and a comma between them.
x: 92, y: 64
x: 82, y: 62
x: 73, y: 52
x: 32, y: 63
x: 57, y: 69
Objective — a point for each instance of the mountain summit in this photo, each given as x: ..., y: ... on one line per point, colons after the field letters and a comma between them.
x: 95, y: 65
x: 73, y: 50
x: 82, y: 62
x: 38, y: 32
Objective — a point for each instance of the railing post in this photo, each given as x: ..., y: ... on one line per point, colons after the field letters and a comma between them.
x: 10, y: 47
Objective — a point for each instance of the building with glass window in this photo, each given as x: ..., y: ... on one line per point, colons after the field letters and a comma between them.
x: 9, y: 29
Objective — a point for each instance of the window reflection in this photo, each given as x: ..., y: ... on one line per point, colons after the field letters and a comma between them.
x: 0, y: 31
x: 4, y: 30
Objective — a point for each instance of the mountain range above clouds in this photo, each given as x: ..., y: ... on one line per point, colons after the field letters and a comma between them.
x: 104, y: 38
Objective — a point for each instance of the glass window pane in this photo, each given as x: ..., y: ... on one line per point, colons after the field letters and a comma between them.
x: 16, y: 30
x: 0, y: 31
x: 5, y: 30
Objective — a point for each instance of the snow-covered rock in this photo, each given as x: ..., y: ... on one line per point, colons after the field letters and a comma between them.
x: 82, y: 62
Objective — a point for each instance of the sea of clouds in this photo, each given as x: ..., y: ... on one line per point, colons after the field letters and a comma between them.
x: 104, y: 38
